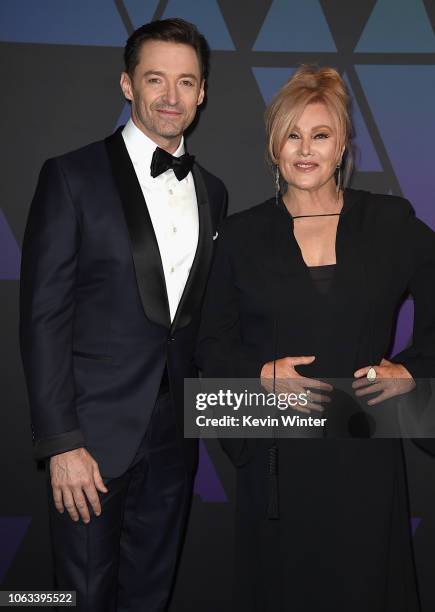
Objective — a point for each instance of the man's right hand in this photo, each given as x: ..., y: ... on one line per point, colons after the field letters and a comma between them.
x: 74, y: 476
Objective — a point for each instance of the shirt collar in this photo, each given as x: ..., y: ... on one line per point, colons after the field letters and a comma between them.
x: 141, y: 148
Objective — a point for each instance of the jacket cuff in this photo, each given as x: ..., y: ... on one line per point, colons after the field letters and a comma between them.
x: 418, y: 367
x: 60, y: 443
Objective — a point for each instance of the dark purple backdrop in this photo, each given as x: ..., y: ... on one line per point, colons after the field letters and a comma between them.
x: 60, y: 65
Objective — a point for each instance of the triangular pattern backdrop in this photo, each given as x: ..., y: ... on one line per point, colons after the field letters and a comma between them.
x: 10, y: 256
x: 398, y: 26
x: 282, y: 29
x: 402, y: 100
x: 393, y: 110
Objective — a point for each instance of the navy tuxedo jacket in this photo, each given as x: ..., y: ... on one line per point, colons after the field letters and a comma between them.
x: 95, y: 328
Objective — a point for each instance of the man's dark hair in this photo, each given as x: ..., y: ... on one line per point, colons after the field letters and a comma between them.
x: 168, y: 30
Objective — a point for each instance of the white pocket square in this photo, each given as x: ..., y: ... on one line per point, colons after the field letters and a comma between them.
x: 216, y: 235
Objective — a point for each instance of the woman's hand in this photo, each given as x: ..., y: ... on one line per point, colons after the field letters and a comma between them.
x: 287, y: 380
x: 391, y: 379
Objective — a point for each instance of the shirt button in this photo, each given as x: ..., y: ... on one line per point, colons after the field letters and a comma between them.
x: 172, y: 270
x: 174, y: 229
x: 171, y: 192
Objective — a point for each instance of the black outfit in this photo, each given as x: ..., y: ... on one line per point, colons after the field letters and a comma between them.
x: 322, y: 277
x: 100, y: 352
x: 343, y: 538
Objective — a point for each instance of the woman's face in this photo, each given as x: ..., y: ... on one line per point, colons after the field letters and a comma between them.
x: 309, y: 157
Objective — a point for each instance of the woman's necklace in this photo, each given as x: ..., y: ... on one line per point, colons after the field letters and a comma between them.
x: 320, y: 215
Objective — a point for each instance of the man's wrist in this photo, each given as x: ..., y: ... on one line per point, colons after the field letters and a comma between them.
x: 59, y: 443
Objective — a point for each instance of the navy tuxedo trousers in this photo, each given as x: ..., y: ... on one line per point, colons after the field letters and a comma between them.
x: 125, y: 559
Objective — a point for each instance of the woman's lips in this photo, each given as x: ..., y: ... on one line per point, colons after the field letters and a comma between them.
x: 305, y: 166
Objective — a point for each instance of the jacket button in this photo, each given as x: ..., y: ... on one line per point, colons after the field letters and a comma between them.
x: 171, y: 339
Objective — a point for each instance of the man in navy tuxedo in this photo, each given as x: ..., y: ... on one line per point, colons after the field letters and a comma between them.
x: 116, y: 256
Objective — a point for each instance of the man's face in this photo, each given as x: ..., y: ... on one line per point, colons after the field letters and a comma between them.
x: 165, y: 91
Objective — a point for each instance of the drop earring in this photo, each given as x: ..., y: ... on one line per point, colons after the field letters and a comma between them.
x: 277, y: 186
x: 338, y: 178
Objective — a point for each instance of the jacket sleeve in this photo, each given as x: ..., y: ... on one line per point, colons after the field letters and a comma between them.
x: 419, y: 357
x: 48, y: 272
x: 221, y: 351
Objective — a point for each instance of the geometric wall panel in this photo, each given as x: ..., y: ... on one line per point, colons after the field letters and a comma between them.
x: 12, y: 531
x: 124, y: 116
x: 207, y: 484
x: 292, y: 25
x: 402, y: 101
x: 397, y: 105
x: 68, y: 22
x: 207, y: 16
x: 10, y: 255
x: 366, y: 158
x: 269, y: 80
x: 140, y: 11
x: 397, y: 26
x: 415, y: 522
x: 404, y: 327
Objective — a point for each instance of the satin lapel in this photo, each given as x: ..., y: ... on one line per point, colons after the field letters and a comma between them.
x: 194, y: 289
x: 145, y: 250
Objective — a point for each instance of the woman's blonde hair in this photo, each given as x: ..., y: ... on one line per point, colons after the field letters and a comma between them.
x: 310, y: 84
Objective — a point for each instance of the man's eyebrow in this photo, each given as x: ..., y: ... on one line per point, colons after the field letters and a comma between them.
x: 180, y: 76
x: 188, y: 75
x: 157, y: 72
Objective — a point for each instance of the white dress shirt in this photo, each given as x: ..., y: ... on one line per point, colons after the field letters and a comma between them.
x: 173, y: 209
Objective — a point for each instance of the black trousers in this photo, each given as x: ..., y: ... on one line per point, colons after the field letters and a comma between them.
x: 125, y: 559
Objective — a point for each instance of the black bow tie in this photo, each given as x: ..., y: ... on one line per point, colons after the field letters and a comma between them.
x: 162, y: 161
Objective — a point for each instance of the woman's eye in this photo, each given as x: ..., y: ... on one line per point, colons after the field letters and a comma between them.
x: 323, y: 135
x: 293, y: 135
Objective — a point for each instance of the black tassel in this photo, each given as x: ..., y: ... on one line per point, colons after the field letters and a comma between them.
x: 272, y: 468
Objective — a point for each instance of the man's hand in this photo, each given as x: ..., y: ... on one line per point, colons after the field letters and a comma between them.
x: 75, y: 474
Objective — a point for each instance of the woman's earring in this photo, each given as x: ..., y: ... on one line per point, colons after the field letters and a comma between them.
x: 277, y: 186
x: 339, y: 177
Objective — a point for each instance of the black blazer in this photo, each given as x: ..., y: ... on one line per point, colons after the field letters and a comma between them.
x: 95, y: 327
x: 259, y: 281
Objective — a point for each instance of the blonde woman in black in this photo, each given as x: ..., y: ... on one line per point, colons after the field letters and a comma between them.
x: 308, y: 284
